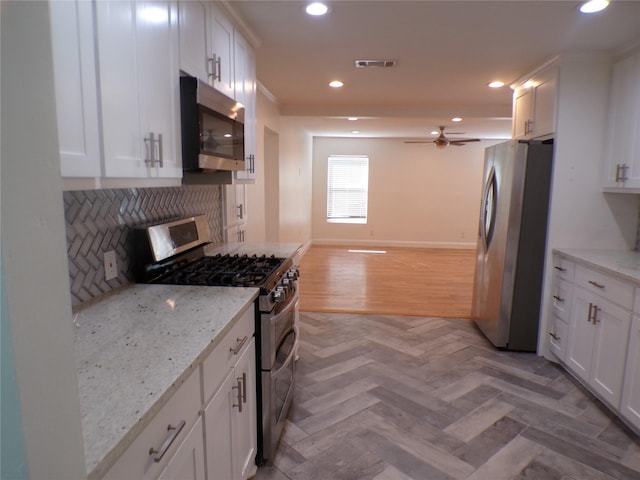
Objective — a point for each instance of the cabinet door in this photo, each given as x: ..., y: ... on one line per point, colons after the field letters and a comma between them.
x: 581, y: 334
x: 544, y: 105
x: 235, y: 205
x: 137, y: 43
x: 245, y: 81
x: 121, y: 109
x: 245, y: 425
x: 622, y: 165
x: 609, y: 350
x: 630, y: 406
x: 219, y: 430
x: 72, y: 40
x: 558, y: 332
x: 188, y: 461
x: 222, y: 48
x: 194, y: 38
x: 522, y: 107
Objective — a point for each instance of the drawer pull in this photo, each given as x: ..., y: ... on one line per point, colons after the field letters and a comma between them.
x: 244, y: 386
x: 558, y: 298
x: 596, y: 284
x: 240, y: 343
x: 173, y: 433
x: 554, y: 336
x: 239, y: 388
x: 560, y: 269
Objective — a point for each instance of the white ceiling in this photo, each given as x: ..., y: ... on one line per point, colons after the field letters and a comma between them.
x: 447, y: 51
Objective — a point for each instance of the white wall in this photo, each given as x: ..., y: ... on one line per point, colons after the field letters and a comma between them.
x: 34, y: 256
x: 418, y: 195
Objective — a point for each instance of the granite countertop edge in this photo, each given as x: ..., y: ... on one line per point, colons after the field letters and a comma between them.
x: 623, y: 264
x: 127, y: 346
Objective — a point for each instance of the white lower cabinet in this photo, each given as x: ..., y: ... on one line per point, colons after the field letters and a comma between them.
x: 230, y: 413
x: 599, y: 343
x: 188, y: 462
x: 208, y: 428
x: 630, y: 406
x: 164, y: 446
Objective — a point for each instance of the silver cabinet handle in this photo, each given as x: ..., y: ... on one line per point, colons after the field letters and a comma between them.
x: 621, y: 172
x: 252, y: 164
x: 240, y: 343
x: 238, y: 387
x: 596, y: 284
x: 173, y: 433
x: 554, y: 336
x: 244, y: 386
x: 592, y: 316
x: 217, y: 69
x: 150, y: 145
x: 560, y: 269
x: 558, y: 298
x: 589, y: 313
x: 240, y: 211
x: 160, y: 150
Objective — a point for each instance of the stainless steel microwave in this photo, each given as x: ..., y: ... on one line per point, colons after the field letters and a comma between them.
x: 212, y: 129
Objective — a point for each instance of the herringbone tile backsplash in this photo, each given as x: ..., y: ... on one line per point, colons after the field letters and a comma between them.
x: 100, y: 220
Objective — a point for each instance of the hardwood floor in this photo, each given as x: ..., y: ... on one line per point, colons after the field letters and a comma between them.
x: 402, y: 281
x: 399, y: 397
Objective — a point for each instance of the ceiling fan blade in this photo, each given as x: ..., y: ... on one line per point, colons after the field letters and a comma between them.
x: 418, y: 141
x: 463, y: 141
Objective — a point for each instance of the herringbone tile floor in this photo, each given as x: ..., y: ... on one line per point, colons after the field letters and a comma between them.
x: 398, y: 398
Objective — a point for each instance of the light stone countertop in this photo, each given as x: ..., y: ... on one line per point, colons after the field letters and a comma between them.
x: 620, y: 263
x: 135, y: 347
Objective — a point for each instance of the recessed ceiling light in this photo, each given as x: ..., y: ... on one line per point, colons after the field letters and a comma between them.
x: 352, y: 119
x: 434, y: 132
x: 316, y: 9
x: 456, y: 119
x: 355, y: 131
x: 594, y: 6
x: 496, y: 84
x: 336, y: 84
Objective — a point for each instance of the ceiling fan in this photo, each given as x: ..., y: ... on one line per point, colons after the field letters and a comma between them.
x: 443, y: 142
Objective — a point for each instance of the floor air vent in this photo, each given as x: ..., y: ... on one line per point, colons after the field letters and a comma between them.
x: 375, y: 63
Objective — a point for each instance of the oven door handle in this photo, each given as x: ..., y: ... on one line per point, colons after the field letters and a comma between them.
x: 291, y: 356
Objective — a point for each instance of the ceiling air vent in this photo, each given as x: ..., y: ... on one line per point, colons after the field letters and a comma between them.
x: 375, y: 63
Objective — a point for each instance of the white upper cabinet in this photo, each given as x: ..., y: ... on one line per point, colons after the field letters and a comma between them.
x: 72, y: 32
x: 622, y: 151
x: 139, y: 78
x: 194, y: 38
x: 245, y: 87
x: 221, y: 74
x: 534, y: 106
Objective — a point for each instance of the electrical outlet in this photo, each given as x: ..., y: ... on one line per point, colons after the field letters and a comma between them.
x: 110, y: 265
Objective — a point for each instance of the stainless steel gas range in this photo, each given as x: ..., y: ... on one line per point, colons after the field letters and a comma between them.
x: 173, y: 253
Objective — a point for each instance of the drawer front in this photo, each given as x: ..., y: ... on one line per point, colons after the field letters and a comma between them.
x: 614, y: 290
x: 225, y: 355
x: 561, y: 296
x: 563, y: 268
x: 558, y: 331
x: 137, y: 461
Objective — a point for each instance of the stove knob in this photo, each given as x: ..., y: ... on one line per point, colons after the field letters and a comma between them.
x: 293, y: 274
x: 279, y: 295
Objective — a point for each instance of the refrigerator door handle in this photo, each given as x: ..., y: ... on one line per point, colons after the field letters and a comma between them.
x: 489, y: 207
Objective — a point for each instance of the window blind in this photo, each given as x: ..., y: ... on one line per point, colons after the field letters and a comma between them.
x: 347, y: 189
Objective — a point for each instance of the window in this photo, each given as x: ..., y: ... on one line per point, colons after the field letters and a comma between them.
x: 347, y: 189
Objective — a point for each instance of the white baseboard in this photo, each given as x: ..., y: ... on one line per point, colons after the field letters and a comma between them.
x: 393, y: 243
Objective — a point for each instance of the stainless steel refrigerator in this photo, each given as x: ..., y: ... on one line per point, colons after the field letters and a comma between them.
x: 511, y: 243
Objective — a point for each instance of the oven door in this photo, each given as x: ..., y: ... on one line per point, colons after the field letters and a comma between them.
x: 277, y: 393
x: 274, y: 327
